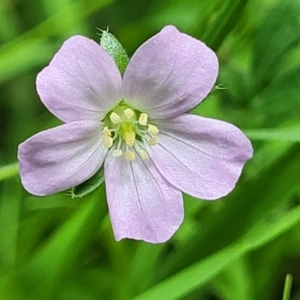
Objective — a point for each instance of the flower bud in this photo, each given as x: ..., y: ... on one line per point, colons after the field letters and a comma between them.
x: 111, y: 45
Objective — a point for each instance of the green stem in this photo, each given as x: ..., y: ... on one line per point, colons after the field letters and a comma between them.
x: 224, y: 23
x: 9, y: 171
x: 287, y: 287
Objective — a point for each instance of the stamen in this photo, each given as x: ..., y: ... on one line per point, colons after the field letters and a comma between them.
x: 128, y: 112
x: 143, y: 119
x: 117, y: 153
x: 115, y: 118
x: 152, y: 129
x: 129, y: 155
x: 106, y: 131
x: 153, y: 141
x: 107, y: 141
x: 144, y: 154
x: 126, y: 132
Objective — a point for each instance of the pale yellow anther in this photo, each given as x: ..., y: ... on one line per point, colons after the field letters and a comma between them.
x: 129, y: 138
x: 129, y: 155
x: 106, y: 131
x: 107, y: 141
x: 152, y: 129
x: 117, y: 153
x: 144, y: 154
x: 153, y: 141
x: 128, y: 112
x: 115, y: 118
x: 143, y: 119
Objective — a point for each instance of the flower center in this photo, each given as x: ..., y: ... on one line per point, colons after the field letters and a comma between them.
x: 126, y: 130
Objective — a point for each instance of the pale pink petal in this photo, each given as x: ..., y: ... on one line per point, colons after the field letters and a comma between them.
x: 60, y: 158
x: 169, y: 74
x: 142, y: 204
x: 200, y: 156
x: 82, y: 81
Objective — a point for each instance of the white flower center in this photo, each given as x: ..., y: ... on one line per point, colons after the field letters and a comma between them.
x: 127, y: 130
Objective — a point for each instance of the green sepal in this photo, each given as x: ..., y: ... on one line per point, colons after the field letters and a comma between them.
x: 220, y: 86
x: 111, y: 45
x: 88, y: 186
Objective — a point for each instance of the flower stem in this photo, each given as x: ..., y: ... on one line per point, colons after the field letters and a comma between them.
x: 9, y: 171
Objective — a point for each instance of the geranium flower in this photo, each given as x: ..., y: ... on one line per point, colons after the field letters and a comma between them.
x: 137, y: 126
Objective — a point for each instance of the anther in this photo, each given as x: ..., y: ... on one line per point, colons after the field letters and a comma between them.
x: 153, y: 141
x: 107, y: 141
x: 129, y: 155
x: 117, y: 153
x: 128, y: 112
x: 115, y: 118
x: 152, y: 129
x: 143, y: 119
x: 143, y: 154
x: 106, y: 131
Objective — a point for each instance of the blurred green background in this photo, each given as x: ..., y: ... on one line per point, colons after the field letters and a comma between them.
x: 239, y: 248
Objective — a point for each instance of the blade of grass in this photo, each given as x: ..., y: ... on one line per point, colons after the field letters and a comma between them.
x: 287, y: 287
x: 10, y: 204
x: 9, y: 171
x: 245, y: 206
x: 69, y: 22
x: 201, y: 272
x: 48, y: 27
x: 224, y: 23
x: 35, y: 40
x: 41, y: 277
x: 278, y: 134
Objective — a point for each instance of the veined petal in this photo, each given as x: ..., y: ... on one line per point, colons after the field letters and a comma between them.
x: 202, y: 157
x: 169, y: 74
x: 142, y: 204
x: 82, y: 81
x: 62, y: 157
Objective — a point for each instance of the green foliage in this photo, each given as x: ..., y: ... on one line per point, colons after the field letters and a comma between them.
x: 239, y: 248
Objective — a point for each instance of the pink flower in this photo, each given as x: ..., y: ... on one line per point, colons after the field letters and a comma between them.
x: 138, y: 127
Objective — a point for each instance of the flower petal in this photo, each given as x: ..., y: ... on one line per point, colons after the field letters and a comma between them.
x: 202, y: 157
x: 142, y: 204
x: 62, y: 157
x: 169, y: 74
x: 82, y: 81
